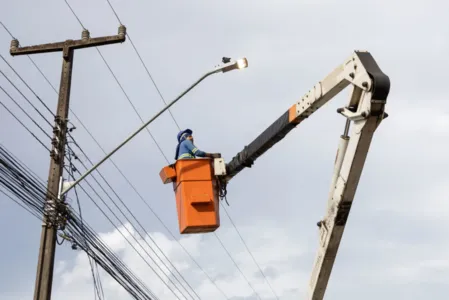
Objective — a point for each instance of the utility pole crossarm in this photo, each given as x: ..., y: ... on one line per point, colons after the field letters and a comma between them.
x: 84, y: 42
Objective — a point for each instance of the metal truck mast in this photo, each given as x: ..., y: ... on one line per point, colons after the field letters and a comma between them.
x: 200, y: 183
x: 365, y: 110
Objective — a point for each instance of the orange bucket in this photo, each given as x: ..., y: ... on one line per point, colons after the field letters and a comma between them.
x: 196, y: 191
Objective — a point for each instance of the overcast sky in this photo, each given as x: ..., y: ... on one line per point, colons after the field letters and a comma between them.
x: 395, y: 244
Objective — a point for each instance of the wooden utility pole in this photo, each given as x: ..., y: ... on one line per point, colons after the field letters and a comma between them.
x: 53, y: 218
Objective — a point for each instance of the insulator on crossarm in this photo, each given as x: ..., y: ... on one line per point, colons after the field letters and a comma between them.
x: 122, y: 31
x: 14, y: 44
x: 85, y: 35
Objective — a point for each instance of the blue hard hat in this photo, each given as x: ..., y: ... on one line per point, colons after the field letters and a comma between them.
x: 188, y: 131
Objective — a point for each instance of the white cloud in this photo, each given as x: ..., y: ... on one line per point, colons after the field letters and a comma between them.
x: 275, y: 250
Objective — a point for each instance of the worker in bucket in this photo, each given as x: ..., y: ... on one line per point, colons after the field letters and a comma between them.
x: 186, y: 148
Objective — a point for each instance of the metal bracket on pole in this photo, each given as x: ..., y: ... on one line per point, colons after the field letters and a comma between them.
x: 65, y: 186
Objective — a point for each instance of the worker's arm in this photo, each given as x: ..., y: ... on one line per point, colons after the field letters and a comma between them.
x: 198, y: 152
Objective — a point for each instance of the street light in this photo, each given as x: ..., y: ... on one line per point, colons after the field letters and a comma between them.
x: 239, y: 64
x: 229, y: 66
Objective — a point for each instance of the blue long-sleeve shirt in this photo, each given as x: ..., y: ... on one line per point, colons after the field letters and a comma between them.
x: 188, y: 150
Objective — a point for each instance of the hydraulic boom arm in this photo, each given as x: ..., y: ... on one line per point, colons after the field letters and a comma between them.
x: 370, y: 88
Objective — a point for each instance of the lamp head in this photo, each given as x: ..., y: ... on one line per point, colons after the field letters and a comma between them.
x: 233, y: 65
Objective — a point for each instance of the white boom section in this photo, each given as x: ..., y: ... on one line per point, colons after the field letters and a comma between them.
x: 365, y: 110
x: 370, y: 88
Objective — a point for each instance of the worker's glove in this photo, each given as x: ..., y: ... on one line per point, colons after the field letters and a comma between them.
x: 215, y: 155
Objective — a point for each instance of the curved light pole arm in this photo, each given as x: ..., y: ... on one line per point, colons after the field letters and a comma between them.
x: 224, y: 68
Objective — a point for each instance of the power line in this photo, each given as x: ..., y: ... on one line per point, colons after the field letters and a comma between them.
x: 235, y: 264
x: 51, y: 85
x: 24, y: 126
x: 75, y: 14
x: 132, y: 105
x: 144, y: 65
x: 38, y: 111
x: 143, y: 121
x: 34, y: 213
x: 155, y: 214
x: 19, y: 119
x: 146, y: 252
x: 118, y: 82
x: 19, y: 182
x: 149, y: 74
x: 109, y: 196
x: 121, y: 87
x: 21, y: 205
x: 6, y: 29
x: 24, y: 112
x: 40, y: 127
x: 133, y: 187
x: 16, y: 181
x: 28, y: 170
x: 20, y: 77
x: 246, y: 246
x: 160, y: 94
x: 115, y: 226
x: 126, y: 207
x: 137, y: 52
x: 97, y: 286
x: 107, y: 217
x: 115, y: 204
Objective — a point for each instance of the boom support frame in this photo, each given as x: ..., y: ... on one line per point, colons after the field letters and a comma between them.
x: 366, y: 109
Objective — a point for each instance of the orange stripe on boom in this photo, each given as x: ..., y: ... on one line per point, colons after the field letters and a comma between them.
x: 292, y: 115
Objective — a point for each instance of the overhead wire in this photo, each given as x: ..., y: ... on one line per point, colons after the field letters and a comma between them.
x: 132, y: 104
x: 143, y: 63
x: 18, y: 181
x: 21, y: 205
x: 23, y: 125
x: 160, y: 94
x: 120, y: 85
x: 235, y: 264
x: 120, y: 171
x: 3, y: 163
x: 74, y: 14
x: 118, y: 82
x: 139, y: 114
x: 8, y: 185
x: 14, y: 180
x: 247, y: 248
x: 115, y: 204
x: 141, y: 226
x: 107, y: 217
x: 7, y: 30
x: 114, y: 225
x: 91, y: 163
x: 49, y: 83
x: 98, y: 289
x: 159, y: 219
x: 27, y: 127
x: 25, y: 97
x: 31, y: 118
x: 28, y: 169
x: 20, y: 77
x: 150, y: 135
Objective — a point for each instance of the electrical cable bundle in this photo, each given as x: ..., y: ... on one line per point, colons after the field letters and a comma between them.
x: 30, y: 193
